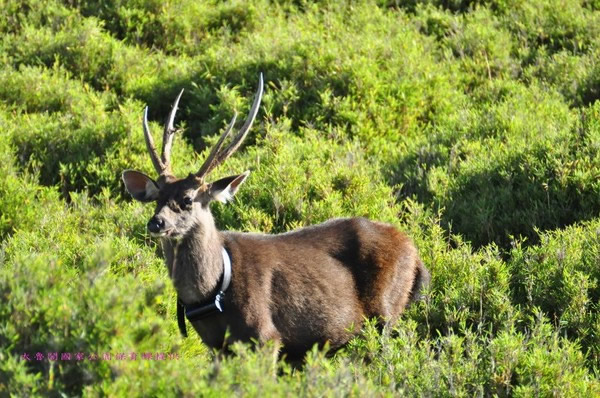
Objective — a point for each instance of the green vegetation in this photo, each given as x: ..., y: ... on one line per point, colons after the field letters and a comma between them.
x: 474, y: 126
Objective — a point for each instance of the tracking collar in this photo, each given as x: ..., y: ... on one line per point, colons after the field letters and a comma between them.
x: 199, y: 311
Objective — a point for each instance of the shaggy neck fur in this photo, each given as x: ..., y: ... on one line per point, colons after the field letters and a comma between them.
x: 195, y: 262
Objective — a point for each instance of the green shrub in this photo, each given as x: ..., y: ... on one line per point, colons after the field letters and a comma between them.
x: 473, y: 126
x: 518, y: 161
x: 561, y: 277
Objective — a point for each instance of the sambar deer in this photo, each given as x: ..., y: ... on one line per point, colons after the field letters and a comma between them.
x: 314, y: 285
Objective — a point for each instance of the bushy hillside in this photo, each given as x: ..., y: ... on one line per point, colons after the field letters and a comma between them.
x: 474, y: 126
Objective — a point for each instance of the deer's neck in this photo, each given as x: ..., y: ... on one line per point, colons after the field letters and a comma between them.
x: 195, y: 262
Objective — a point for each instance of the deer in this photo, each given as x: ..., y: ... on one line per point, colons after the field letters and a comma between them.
x: 313, y: 285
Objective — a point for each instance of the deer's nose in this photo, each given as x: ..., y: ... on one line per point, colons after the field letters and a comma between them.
x: 155, y: 224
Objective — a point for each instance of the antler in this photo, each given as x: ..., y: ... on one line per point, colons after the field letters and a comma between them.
x: 218, y: 156
x: 162, y: 164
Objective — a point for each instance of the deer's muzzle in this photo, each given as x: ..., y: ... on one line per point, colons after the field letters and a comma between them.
x: 158, y: 226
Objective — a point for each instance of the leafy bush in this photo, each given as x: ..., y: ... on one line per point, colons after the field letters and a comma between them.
x: 474, y: 126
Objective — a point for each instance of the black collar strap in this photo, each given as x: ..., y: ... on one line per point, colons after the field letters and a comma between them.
x: 199, y: 311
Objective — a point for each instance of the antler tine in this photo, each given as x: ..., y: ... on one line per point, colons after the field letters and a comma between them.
x: 209, y: 163
x: 239, y: 138
x: 217, y: 157
x: 158, y: 164
x: 168, y: 135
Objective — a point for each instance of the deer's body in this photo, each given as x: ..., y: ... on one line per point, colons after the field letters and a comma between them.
x: 315, y: 285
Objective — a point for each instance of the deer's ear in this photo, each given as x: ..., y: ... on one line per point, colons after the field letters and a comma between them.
x: 140, y: 186
x: 224, y: 189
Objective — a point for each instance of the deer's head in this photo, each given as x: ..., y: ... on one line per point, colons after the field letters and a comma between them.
x: 183, y: 203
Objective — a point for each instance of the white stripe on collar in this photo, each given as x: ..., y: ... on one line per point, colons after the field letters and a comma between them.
x: 226, y: 271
